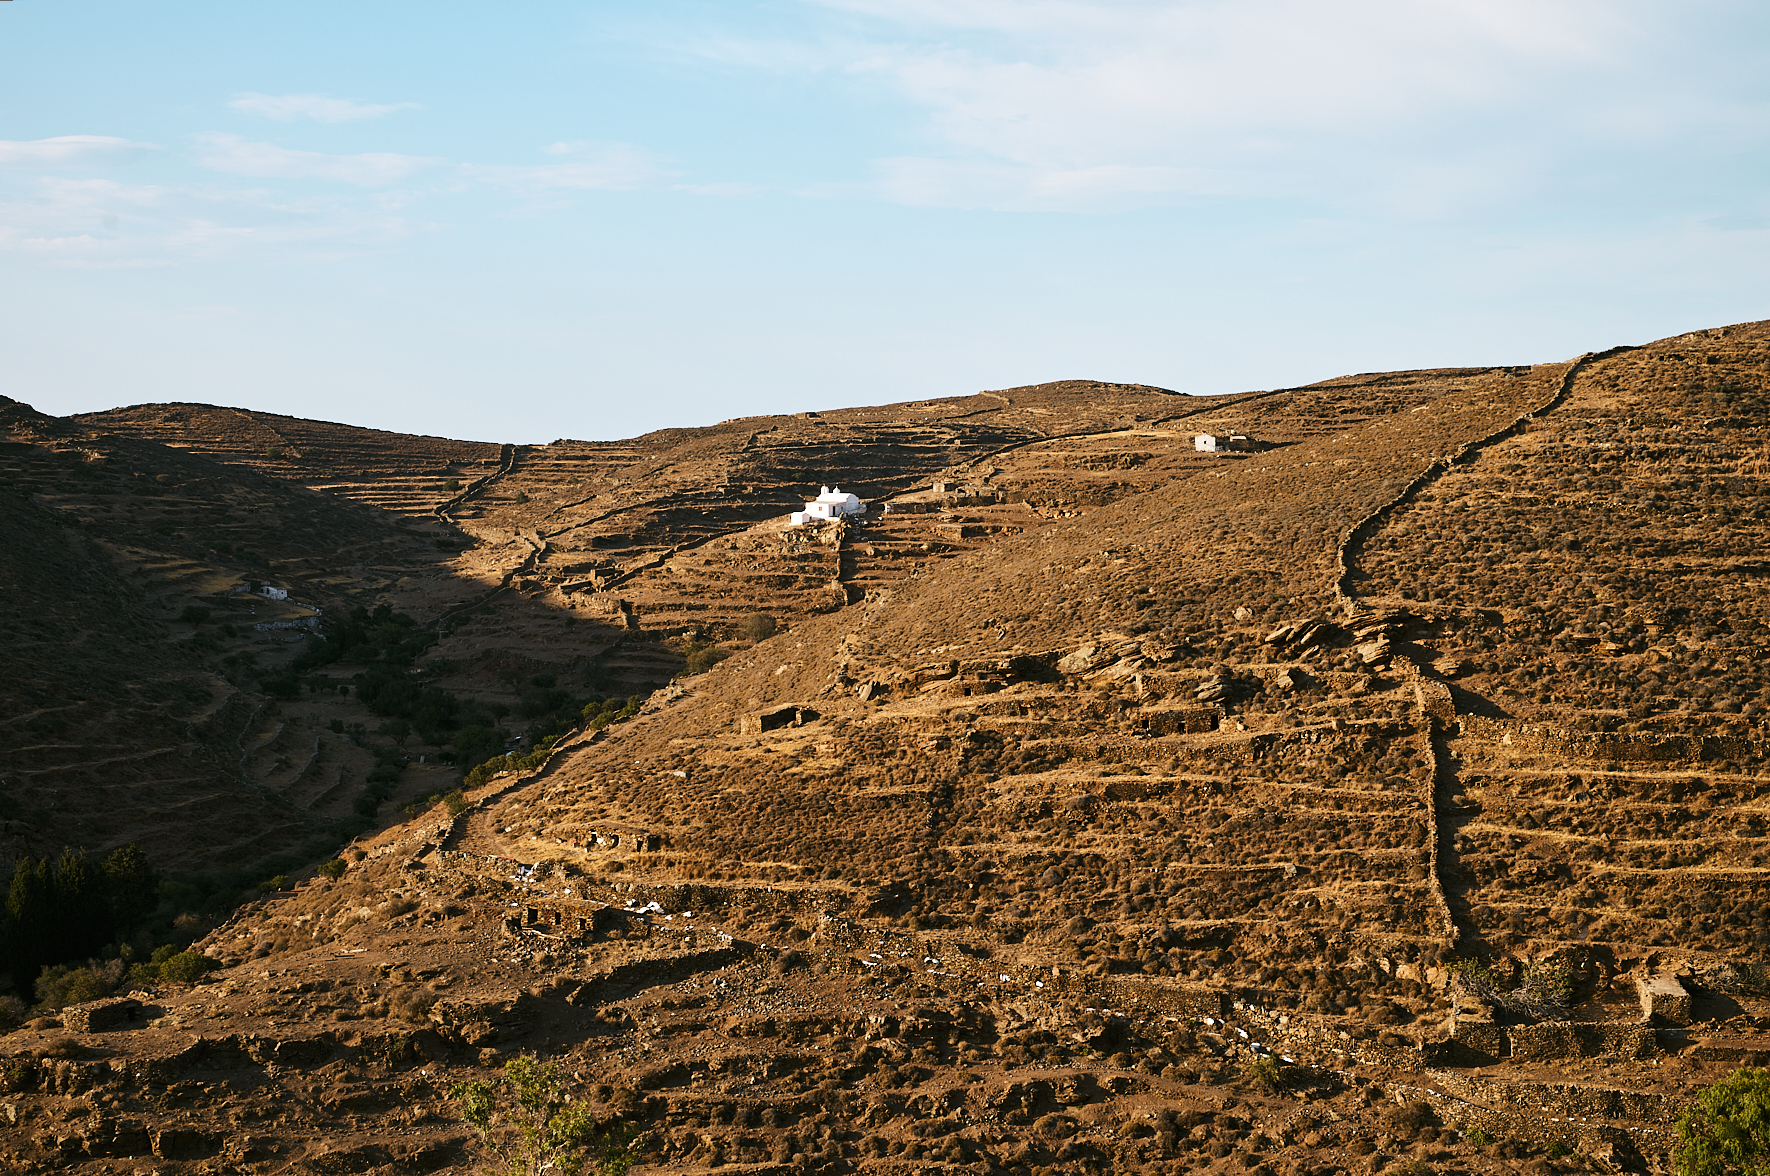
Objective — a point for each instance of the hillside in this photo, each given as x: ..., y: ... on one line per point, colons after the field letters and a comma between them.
x: 1390, y: 791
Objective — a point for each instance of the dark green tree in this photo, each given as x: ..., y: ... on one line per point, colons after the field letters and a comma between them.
x: 30, y: 911
x: 133, y: 885
x: 475, y: 745
x: 82, y: 907
x: 67, y: 910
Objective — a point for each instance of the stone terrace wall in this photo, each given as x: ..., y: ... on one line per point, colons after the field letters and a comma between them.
x: 1659, y: 749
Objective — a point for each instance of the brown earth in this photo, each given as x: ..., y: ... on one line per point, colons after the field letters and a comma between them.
x: 1092, y: 773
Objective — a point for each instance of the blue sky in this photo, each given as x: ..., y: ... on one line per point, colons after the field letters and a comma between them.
x: 522, y: 222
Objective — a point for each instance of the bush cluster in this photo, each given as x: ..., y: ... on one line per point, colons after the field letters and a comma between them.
x: 454, y: 801
x: 703, y: 656
x: 61, y: 985
x: 506, y: 763
x: 598, y: 714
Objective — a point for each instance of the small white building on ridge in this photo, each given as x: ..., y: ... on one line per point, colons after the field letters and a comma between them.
x: 1218, y: 443
x: 832, y: 503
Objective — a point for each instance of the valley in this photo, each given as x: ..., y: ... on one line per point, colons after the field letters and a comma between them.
x: 1386, y: 796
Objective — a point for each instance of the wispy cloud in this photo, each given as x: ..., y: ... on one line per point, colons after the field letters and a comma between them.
x: 584, y: 166
x: 65, y: 150
x: 1008, y: 185
x: 239, y: 156
x: 103, y: 223
x: 1391, y: 104
x: 63, y: 219
x: 318, y: 107
x: 730, y: 188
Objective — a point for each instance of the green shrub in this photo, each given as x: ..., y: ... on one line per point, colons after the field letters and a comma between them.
x: 1476, y: 974
x: 187, y: 967
x: 1544, y: 991
x: 505, y: 763
x: 1267, y: 1075
x: 12, y: 1013
x: 456, y: 802
x: 757, y: 626
x: 1728, y: 1130
x: 147, y: 973
x: 529, y: 1123
x: 334, y: 868
x: 280, y: 882
x: 72, y: 984
x: 487, y: 770
x: 702, y: 658
x: 1478, y: 1137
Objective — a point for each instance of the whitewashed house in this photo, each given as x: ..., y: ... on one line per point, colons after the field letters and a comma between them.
x: 1222, y: 443
x: 270, y: 593
x: 831, y: 503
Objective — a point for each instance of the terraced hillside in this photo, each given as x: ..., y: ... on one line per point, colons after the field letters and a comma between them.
x: 134, y: 709
x: 596, y: 516
x: 393, y: 471
x: 1592, y: 588
x: 1389, y: 793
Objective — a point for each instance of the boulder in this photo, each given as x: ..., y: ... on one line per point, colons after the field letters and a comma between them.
x: 1082, y: 660
x: 1449, y: 666
x: 1212, y: 689
x: 1306, y: 632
